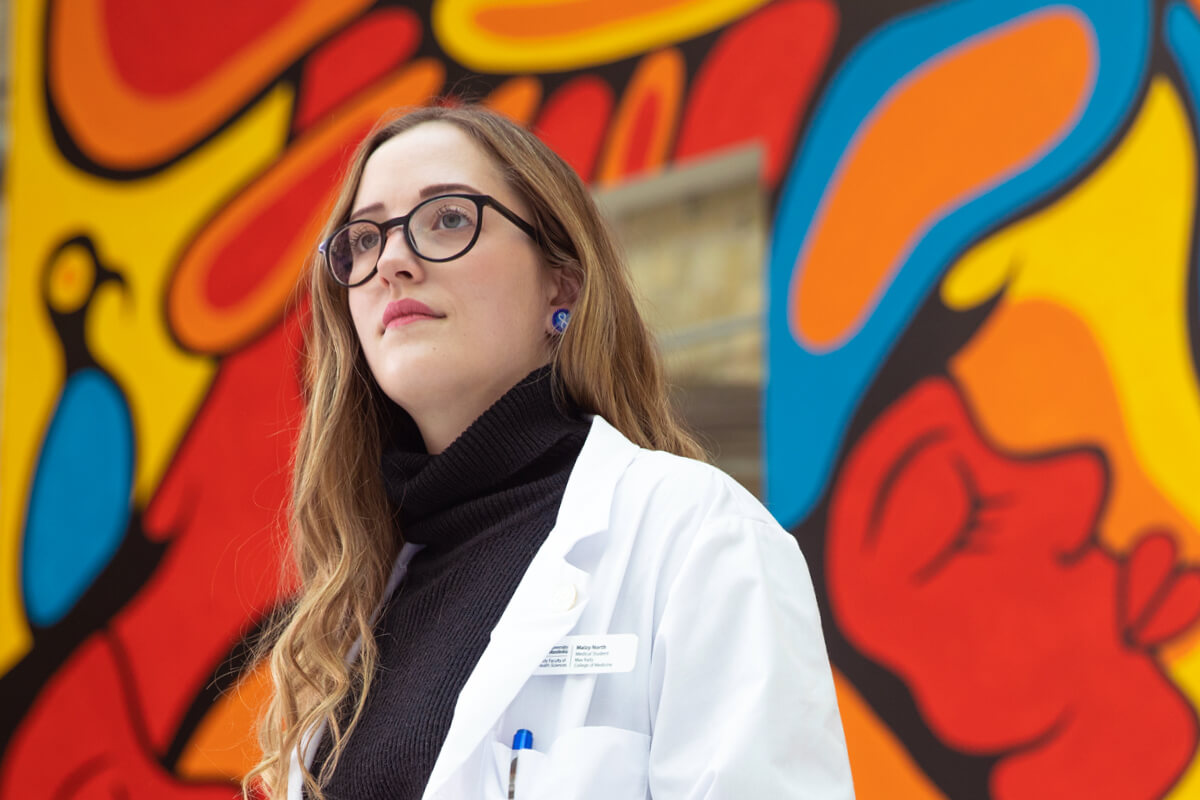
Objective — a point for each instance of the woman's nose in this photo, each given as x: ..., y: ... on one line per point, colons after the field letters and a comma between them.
x: 397, y: 260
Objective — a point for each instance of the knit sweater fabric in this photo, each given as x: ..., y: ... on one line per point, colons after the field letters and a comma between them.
x: 481, y: 508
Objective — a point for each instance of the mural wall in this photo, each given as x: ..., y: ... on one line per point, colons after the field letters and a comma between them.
x: 982, y: 410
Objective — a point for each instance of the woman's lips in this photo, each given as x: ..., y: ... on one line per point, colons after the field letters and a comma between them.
x: 402, y: 312
x: 396, y: 322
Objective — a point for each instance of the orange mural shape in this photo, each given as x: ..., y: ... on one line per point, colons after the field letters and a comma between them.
x: 878, y: 761
x: 984, y: 110
x: 538, y: 20
x: 516, y: 98
x: 644, y: 126
x: 235, y: 280
x: 98, y: 61
x: 221, y: 748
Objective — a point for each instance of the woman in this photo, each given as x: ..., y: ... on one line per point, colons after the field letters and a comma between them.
x: 499, y: 526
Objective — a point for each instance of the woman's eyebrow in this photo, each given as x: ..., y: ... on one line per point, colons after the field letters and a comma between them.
x: 366, y: 210
x: 446, y: 188
x: 429, y: 191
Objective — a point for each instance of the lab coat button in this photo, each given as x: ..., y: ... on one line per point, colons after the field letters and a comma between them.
x: 564, y: 597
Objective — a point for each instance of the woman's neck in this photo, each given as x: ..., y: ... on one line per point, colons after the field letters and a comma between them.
x: 498, y: 463
x: 442, y: 419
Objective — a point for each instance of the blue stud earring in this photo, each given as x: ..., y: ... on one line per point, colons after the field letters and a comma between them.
x: 560, y: 318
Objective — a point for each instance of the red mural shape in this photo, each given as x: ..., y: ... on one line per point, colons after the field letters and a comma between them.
x: 643, y: 127
x: 757, y: 81
x: 221, y: 506
x: 354, y: 59
x: 976, y: 578
x: 1160, y: 597
x: 108, y: 715
x: 574, y: 120
x: 162, y: 54
x: 641, y: 133
x: 84, y: 738
x: 239, y: 267
x: 137, y: 82
x: 236, y: 278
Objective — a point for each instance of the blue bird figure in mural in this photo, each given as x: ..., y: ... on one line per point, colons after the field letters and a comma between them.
x: 80, y: 499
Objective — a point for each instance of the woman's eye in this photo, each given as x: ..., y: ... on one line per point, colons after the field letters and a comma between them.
x: 453, y: 219
x: 364, y: 241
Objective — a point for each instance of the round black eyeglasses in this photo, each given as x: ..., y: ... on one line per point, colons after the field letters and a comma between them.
x: 441, y: 228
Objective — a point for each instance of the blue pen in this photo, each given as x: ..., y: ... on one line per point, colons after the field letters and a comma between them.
x: 522, y: 740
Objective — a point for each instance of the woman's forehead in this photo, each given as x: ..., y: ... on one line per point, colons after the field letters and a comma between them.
x: 429, y: 154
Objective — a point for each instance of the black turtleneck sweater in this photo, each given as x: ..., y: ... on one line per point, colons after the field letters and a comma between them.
x: 481, y: 508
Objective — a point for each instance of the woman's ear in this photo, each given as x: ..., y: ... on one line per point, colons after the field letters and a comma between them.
x: 563, y: 290
x: 565, y: 286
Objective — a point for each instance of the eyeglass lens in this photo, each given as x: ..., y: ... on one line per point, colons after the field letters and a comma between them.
x: 438, y: 230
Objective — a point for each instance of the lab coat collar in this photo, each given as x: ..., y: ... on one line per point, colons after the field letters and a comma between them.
x: 545, y: 606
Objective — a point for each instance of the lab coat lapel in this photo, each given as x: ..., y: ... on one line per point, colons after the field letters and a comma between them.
x: 545, y: 606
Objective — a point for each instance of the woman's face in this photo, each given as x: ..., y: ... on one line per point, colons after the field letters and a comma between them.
x: 491, y: 307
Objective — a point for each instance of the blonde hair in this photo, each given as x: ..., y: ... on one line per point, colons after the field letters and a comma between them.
x: 342, y: 532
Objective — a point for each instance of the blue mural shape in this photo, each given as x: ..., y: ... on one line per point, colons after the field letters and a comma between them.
x: 80, y: 503
x: 812, y: 396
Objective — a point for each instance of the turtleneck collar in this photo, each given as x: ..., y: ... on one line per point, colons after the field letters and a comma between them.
x: 487, y: 472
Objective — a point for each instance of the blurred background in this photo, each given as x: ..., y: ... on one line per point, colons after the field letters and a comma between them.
x: 924, y: 275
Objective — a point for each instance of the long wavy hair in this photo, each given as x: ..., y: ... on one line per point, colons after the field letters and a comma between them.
x: 343, y: 535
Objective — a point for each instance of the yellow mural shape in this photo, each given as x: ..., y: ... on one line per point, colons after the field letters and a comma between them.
x: 138, y: 228
x: 1113, y: 254
x: 496, y: 36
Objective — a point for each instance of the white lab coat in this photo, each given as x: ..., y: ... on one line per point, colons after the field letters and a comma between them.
x: 731, y: 694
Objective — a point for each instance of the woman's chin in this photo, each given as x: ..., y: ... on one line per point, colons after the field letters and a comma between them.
x: 410, y: 361
x: 417, y: 384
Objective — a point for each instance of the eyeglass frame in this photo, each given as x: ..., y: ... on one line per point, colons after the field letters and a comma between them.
x: 480, y: 201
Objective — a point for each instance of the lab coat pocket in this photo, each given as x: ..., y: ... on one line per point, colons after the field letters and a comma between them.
x: 588, y: 763
x: 595, y: 763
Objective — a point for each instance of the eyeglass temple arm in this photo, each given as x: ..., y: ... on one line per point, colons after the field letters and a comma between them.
x: 530, y: 231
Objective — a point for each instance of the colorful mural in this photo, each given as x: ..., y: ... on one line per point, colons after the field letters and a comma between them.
x: 983, y: 389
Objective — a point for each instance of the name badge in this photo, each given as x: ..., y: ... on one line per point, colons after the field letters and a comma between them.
x: 589, y: 655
